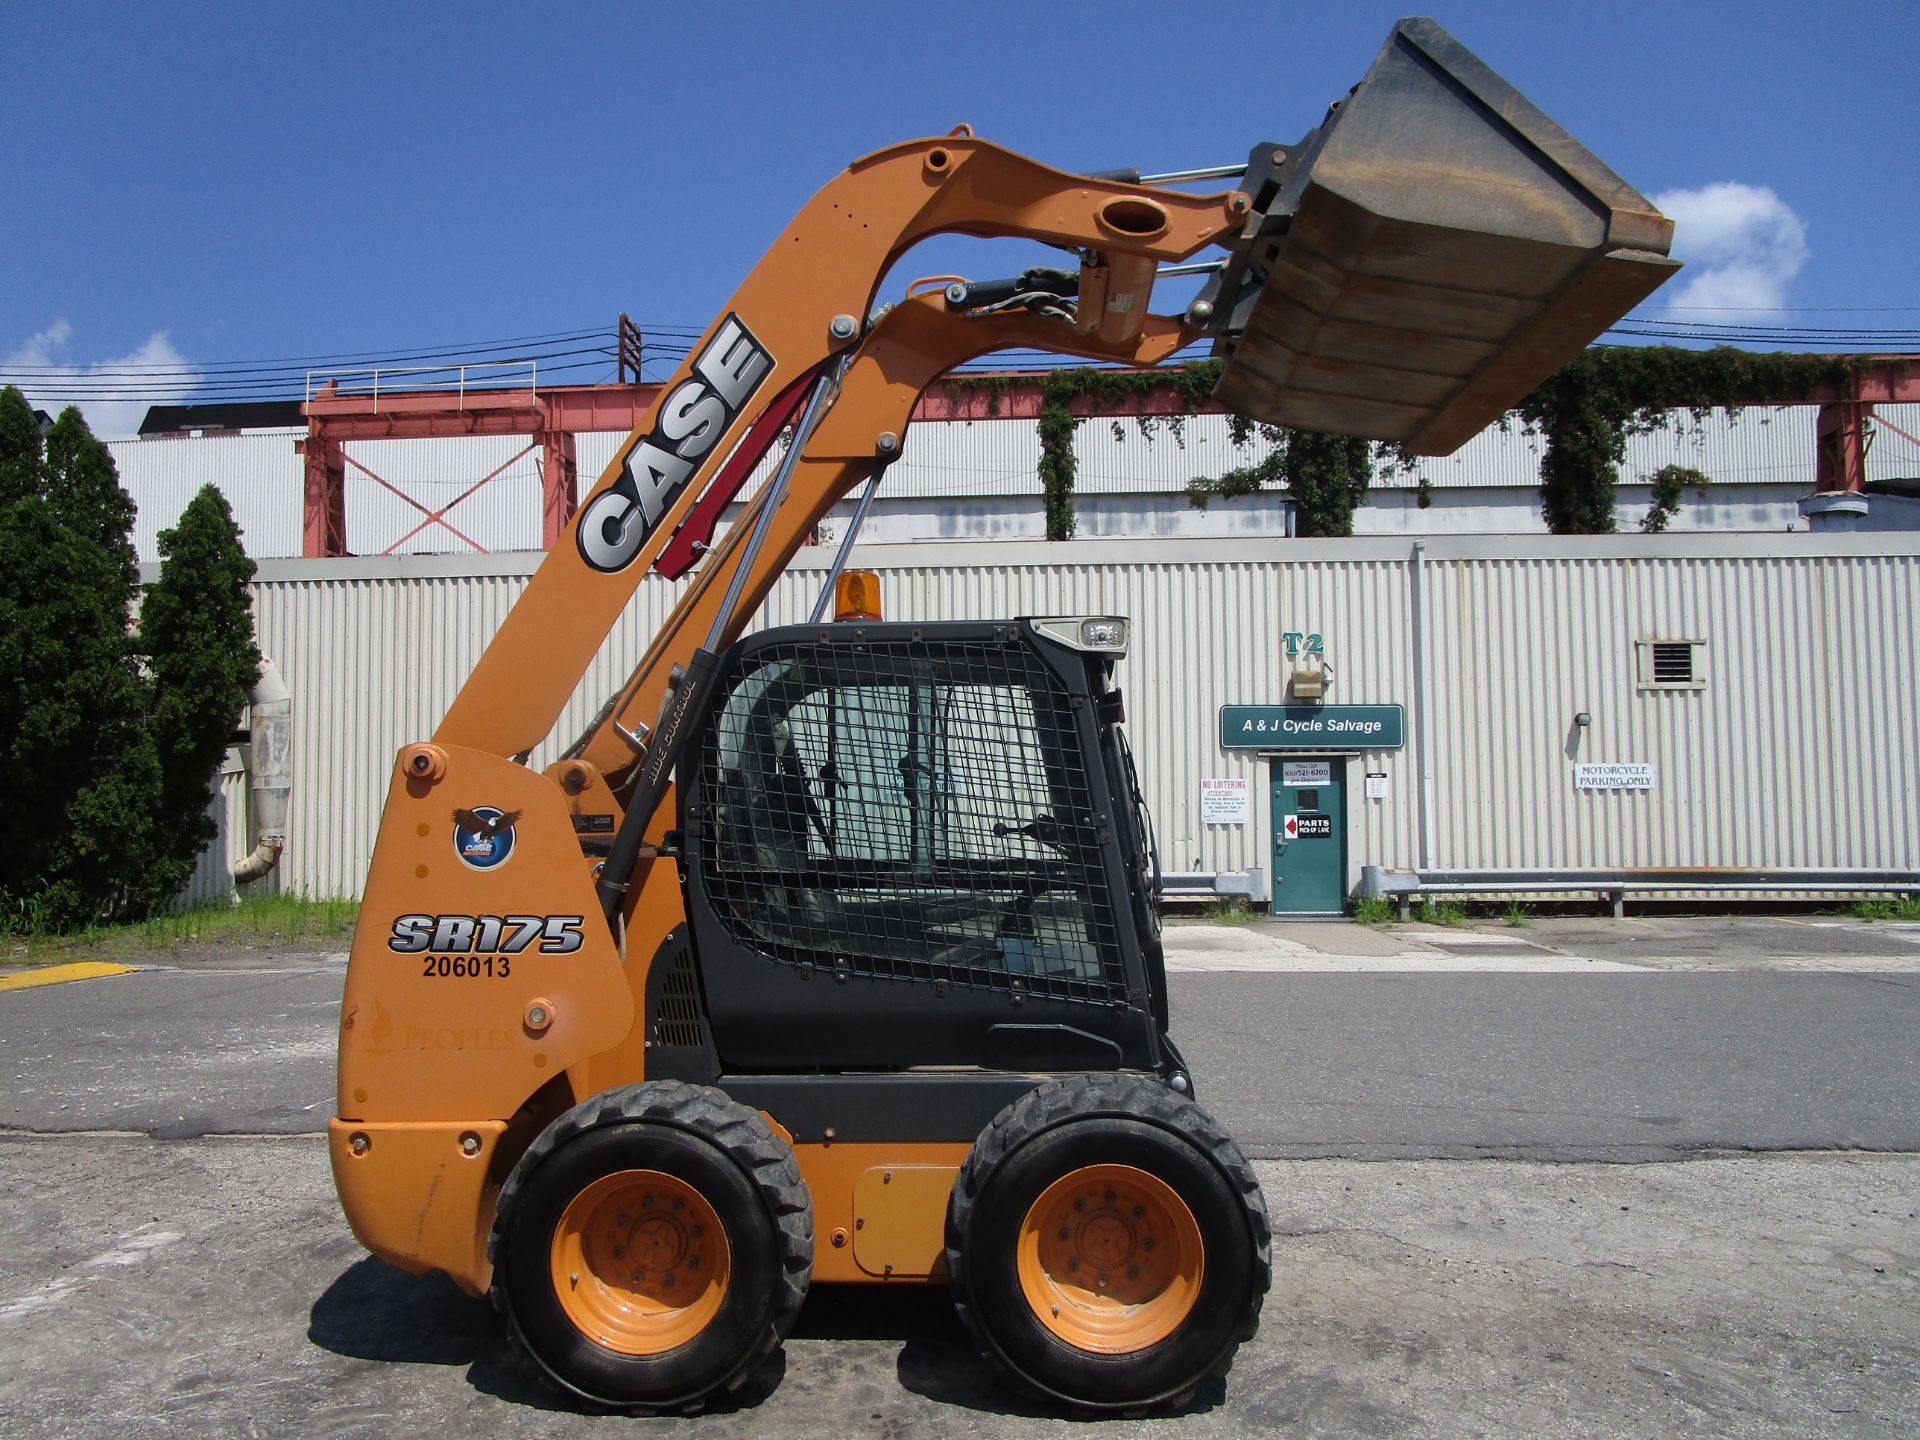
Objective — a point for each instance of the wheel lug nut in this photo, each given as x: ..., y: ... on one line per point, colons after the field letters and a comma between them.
x: 1139, y: 1212
x: 1133, y: 1272
x: 1073, y: 1264
x: 1066, y: 1232
x: 1109, y: 1197
x: 619, y: 1251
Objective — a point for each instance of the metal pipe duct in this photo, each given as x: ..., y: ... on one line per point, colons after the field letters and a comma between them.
x: 270, y: 706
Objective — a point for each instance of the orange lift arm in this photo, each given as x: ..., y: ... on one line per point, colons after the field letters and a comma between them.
x: 799, y: 308
x: 910, y: 347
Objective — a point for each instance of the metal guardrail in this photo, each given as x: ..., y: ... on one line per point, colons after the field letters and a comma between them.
x: 366, y: 379
x: 1405, y: 886
x: 1205, y: 884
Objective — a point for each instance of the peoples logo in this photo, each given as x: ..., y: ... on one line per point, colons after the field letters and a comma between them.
x: 483, y: 836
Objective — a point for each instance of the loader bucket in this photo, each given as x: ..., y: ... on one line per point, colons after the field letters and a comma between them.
x: 1434, y: 250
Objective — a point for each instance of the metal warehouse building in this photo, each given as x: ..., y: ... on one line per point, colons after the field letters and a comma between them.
x: 1487, y: 703
x: 977, y: 480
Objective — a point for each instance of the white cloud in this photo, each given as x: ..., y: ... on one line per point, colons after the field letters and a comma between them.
x: 1742, y: 245
x: 120, y: 389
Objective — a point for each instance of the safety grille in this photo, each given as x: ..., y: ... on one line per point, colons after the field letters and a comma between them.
x: 676, y: 1021
x: 909, y: 810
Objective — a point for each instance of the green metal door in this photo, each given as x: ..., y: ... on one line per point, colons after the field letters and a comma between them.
x: 1309, y: 836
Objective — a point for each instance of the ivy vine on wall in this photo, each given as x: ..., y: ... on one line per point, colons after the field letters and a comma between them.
x: 1584, y: 414
x: 1585, y: 411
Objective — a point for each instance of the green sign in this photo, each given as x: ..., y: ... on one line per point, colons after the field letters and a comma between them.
x: 1312, y: 727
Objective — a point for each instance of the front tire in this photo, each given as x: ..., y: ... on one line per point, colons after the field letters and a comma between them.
x: 652, y: 1245
x: 1108, y: 1243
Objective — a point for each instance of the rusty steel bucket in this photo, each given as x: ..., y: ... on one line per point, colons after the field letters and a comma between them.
x: 1417, y: 264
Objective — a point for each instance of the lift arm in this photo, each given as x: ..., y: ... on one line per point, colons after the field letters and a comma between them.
x: 912, y: 346
x: 798, y: 309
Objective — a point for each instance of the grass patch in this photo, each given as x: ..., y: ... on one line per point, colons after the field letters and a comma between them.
x: 1516, y: 916
x: 264, y: 921
x: 1907, y: 907
x: 1372, y: 910
x: 1440, y: 912
x: 1228, y: 912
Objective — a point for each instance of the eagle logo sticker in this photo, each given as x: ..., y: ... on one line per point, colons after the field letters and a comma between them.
x: 483, y: 836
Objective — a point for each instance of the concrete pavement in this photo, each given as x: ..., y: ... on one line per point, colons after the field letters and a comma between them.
x: 1551, y: 945
x: 209, y: 1288
x: 173, y: 1261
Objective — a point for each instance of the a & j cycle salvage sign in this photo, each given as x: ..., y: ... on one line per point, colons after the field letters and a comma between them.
x: 1312, y: 727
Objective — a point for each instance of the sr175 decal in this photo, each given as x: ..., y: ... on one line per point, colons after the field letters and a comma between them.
x: 485, y: 934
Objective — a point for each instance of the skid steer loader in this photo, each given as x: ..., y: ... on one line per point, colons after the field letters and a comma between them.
x: 831, y: 954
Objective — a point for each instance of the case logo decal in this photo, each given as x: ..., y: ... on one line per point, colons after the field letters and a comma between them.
x: 687, y: 424
x: 483, y: 836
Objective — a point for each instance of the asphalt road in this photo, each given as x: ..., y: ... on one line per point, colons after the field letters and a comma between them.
x: 173, y: 1262
x: 1621, y: 1064
x: 1613, y: 1066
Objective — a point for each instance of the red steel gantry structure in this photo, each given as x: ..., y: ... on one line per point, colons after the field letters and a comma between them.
x: 550, y: 418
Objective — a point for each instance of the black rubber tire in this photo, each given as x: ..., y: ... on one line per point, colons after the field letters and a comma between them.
x: 1068, y: 1124
x: 724, y: 1151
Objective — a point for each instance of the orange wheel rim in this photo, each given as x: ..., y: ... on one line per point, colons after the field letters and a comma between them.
x: 640, y: 1262
x: 1110, y: 1259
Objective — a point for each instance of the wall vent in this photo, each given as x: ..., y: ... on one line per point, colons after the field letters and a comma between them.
x: 1671, y: 664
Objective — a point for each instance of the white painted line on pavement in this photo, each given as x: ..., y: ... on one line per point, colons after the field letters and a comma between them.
x: 1461, y: 937
x: 1513, y: 963
x: 128, y: 1250
x: 133, y: 1249
x: 1410, y: 961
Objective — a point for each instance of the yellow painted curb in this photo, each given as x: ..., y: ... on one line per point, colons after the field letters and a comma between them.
x: 54, y: 974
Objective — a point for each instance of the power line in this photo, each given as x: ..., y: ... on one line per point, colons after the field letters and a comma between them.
x: 278, y: 389
x: 1790, y: 309
x: 560, y: 352
x: 299, y: 361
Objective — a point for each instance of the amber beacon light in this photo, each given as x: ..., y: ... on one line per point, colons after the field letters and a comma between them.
x: 856, y: 596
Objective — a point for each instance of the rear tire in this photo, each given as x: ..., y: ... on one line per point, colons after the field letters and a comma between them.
x: 652, y: 1245
x: 1108, y: 1243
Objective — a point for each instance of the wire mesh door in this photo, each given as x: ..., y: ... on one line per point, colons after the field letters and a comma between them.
x: 915, y: 810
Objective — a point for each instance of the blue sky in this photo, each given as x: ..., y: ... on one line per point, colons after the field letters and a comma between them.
x: 193, y: 184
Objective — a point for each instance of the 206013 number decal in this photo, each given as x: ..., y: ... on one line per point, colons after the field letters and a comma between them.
x: 460, y: 967
x: 463, y: 947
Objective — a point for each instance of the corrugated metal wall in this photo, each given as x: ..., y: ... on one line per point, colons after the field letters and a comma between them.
x: 1895, y: 454
x: 258, y: 472
x: 1802, y: 747
x: 502, y: 514
x: 212, y: 881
